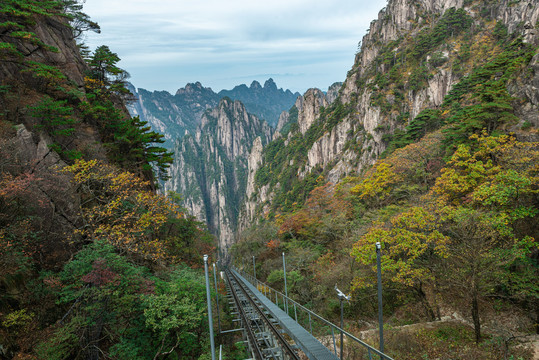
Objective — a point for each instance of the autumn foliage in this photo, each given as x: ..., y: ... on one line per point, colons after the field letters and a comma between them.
x: 118, y: 207
x: 473, y: 232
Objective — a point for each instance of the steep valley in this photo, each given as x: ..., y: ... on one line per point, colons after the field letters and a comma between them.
x: 428, y: 151
x: 210, y: 167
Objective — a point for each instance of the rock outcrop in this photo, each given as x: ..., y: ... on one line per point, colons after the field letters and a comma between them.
x: 173, y: 115
x: 309, y: 108
x: 283, y: 120
x: 353, y: 133
x: 210, y: 168
x: 333, y: 92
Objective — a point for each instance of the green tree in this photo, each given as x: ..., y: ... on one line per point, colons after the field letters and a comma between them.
x: 176, y: 313
x: 479, y: 258
x: 487, y: 198
x: 111, y: 78
x: 117, y: 308
x: 493, y: 107
x: 103, y: 64
x: 130, y: 141
x: 376, y: 188
x: 134, y: 145
x: 80, y: 22
x: 412, y: 247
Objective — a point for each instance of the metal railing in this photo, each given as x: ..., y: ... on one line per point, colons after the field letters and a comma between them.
x: 315, y: 324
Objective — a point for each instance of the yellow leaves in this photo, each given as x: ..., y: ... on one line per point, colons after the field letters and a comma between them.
x: 498, y: 170
x: 82, y: 170
x: 409, y: 245
x: 17, y: 319
x: 93, y: 84
x: 376, y: 186
x: 120, y: 208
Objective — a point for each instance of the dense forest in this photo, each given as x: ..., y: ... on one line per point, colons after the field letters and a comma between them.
x: 452, y: 198
x: 97, y: 262
x: 93, y: 262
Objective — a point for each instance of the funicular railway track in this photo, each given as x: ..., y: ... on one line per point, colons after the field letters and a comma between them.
x: 265, y: 340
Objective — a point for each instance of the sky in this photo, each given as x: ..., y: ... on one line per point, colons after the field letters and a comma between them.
x: 165, y: 44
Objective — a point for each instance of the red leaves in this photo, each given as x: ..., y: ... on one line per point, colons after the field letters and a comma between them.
x: 324, y: 207
x: 273, y: 244
x: 101, y: 274
x: 53, y: 282
x: 14, y: 186
x: 147, y: 287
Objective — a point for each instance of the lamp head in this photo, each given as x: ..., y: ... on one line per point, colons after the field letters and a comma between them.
x: 341, y: 295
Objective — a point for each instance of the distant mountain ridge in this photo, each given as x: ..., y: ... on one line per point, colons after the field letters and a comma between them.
x: 174, y: 115
x: 266, y: 102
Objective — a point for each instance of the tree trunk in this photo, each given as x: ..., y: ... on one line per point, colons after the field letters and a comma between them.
x: 537, y: 317
x: 475, y: 317
x: 94, y: 332
x: 425, y: 302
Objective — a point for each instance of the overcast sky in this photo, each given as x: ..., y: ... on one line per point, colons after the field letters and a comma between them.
x: 165, y: 44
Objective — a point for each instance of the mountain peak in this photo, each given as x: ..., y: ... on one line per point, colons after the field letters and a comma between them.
x: 270, y: 84
x: 191, y: 88
x: 255, y: 85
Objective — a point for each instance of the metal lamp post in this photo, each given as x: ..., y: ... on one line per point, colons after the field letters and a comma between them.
x: 217, y: 297
x: 285, y: 287
x: 342, y: 297
x: 380, y: 309
x: 208, y: 299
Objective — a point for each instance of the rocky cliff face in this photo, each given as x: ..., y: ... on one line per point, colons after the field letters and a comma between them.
x: 173, y: 115
x: 284, y: 118
x: 53, y: 32
x: 253, y: 164
x: 181, y: 113
x: 333, y: 92
x: 210, y: 168
x: 303, y: 114
x: 399, y: 72
x: 309, y: 108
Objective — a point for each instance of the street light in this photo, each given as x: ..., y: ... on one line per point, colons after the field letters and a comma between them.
x: 285, y: 287
x: 208, y: 299
x: 380, y: 309
x: 217, y: 297
x: 254, y: 267
x: 342, y: 297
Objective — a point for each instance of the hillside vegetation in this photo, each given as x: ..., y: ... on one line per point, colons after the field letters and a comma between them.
x: 93, y: 262
x: 452, y: 193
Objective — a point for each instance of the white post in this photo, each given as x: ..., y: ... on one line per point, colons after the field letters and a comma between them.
x: 380, y: 308
x: 208, y: 299
x: 285, y: 287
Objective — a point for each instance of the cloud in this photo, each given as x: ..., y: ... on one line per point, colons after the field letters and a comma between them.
x: 216, y: 39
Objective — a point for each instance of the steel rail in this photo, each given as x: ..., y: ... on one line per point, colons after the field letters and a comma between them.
x: 285, y: 345
x: 250, y: 335
x: 254, y: 325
